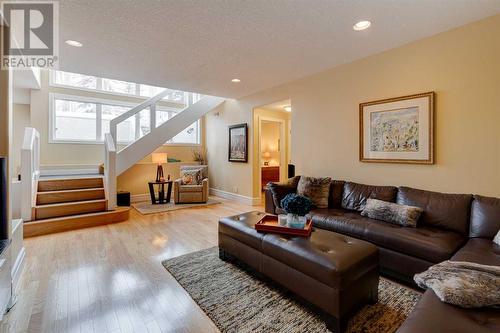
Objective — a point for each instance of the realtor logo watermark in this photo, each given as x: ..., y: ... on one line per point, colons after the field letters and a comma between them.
x: 32, y: 38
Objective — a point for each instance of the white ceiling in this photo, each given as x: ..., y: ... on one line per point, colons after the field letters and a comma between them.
x: 200, y: 45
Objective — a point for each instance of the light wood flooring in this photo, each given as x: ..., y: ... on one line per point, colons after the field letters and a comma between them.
x: 110, y: 278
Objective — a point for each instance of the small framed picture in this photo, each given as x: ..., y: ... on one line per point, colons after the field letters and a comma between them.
x: 238, y: 143
x: 397, y: 130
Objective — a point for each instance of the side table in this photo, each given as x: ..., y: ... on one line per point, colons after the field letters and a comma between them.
x: 163, y: 197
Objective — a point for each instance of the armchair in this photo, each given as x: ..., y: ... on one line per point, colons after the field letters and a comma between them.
x: 192, y: 193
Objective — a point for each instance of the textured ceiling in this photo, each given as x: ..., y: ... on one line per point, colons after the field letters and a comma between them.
x: 200, y: 45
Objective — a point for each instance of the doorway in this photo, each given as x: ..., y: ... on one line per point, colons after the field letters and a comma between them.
x: 273, y: 144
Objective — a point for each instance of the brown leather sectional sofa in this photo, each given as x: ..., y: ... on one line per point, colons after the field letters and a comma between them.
x: 452, y: 226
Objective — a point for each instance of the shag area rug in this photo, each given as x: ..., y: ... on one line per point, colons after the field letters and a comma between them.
x: 237, y: 301
x: 147, y: 207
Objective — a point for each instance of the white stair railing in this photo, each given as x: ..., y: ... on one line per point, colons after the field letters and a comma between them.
x: 116, y: 162
x: 110, y: 170
x: 30, y: 171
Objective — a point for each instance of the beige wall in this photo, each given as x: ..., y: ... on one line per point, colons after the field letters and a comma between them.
x: 462, y: 66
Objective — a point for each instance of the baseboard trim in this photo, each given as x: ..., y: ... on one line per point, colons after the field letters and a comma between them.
x: 17, y: 270
x: 235, y: 197
x: 213, y: 191
x: 17, y: 251
x: 140, y: 197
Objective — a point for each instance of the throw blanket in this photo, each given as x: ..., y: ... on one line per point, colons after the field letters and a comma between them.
x: 465, y: 284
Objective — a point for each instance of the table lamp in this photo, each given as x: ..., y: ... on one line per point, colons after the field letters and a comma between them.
x: 266, y: 155
x: 159, y: 158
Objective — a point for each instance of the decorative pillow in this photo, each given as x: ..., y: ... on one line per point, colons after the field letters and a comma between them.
x: 316, y: 189
x: 496, y: 240
x: 464, y: 284
x: 191, y: 177
x: 407, y: 216
x: 280, y: 190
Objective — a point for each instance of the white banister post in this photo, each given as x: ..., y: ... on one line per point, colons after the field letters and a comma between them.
x: 112, y: 181
x: 152, y: 117
x: 113, y: 131
x: 30, y: 171
x: 110, y: 170
x: 26, y: 184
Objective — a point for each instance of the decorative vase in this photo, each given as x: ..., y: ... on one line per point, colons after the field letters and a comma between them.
x: 296, y: 221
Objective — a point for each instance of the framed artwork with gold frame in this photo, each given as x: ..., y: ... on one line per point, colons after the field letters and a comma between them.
x: 397, y: 130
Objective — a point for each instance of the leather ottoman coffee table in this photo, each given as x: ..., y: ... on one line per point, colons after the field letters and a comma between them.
x: 336, y: 273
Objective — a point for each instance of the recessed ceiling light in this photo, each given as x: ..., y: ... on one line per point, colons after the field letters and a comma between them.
x: 361, y: 25
x: 287, y: 108
x: 236, y: 80
x: 73, y: 43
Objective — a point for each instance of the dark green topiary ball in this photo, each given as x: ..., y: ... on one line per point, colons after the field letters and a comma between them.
x: 296, y: 204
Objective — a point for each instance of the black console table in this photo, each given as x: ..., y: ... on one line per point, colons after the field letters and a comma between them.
x: 163, y: 196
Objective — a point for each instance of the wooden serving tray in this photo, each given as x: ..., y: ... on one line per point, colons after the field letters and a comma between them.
x: 269, y: 223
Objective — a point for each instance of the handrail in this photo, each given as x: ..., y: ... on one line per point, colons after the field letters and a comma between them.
x: 30, y: 171
x: 110, y: 170
x: 147, y: 103
x: 115, y: 162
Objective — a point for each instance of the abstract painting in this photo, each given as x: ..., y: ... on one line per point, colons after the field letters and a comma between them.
x: 398, y: 130
x: 238, y: 143
x: 394, y: 130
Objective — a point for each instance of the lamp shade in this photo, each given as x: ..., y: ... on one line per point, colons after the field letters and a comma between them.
x: 159, y: 158
x: 266, y: 154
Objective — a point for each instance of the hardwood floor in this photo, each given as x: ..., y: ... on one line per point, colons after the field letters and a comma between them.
x: 110, y: 278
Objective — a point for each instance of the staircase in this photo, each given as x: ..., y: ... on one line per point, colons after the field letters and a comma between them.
x: 117, y: 162
x: 64, y: 204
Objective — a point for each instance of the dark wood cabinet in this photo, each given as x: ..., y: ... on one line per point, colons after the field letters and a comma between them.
x: 269, y: 174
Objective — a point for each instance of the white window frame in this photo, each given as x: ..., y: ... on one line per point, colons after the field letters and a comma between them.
x: 99, y: 102
x: 98, y: 89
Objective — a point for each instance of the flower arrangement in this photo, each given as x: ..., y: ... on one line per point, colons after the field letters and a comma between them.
x: 296, y: 204
x: 200, y: 156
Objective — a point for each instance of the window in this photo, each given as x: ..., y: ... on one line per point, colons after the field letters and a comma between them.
x: 75, y: 120
x: 79, y: 119
x: 110, y: 86
x: 75, y: 80
x: 173, y: 95
x: 125, y: 131
x: 190, y: 135
x: 121, y: 87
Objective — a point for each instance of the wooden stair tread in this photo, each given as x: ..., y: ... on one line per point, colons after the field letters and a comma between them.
x: 62, y: 204
x: 72, y: 190
x: 72, y: 222
x: 43, y: 212
x: 61, y: 196
x: 51, y: 185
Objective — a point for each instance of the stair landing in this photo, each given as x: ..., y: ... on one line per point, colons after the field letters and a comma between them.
x: 73, y: 222
x: 68, y: 203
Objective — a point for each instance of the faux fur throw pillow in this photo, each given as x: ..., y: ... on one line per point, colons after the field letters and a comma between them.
x: 465, y: 284
x: 316, y: 189
x: 407, y: 216
x: 496, y: 240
